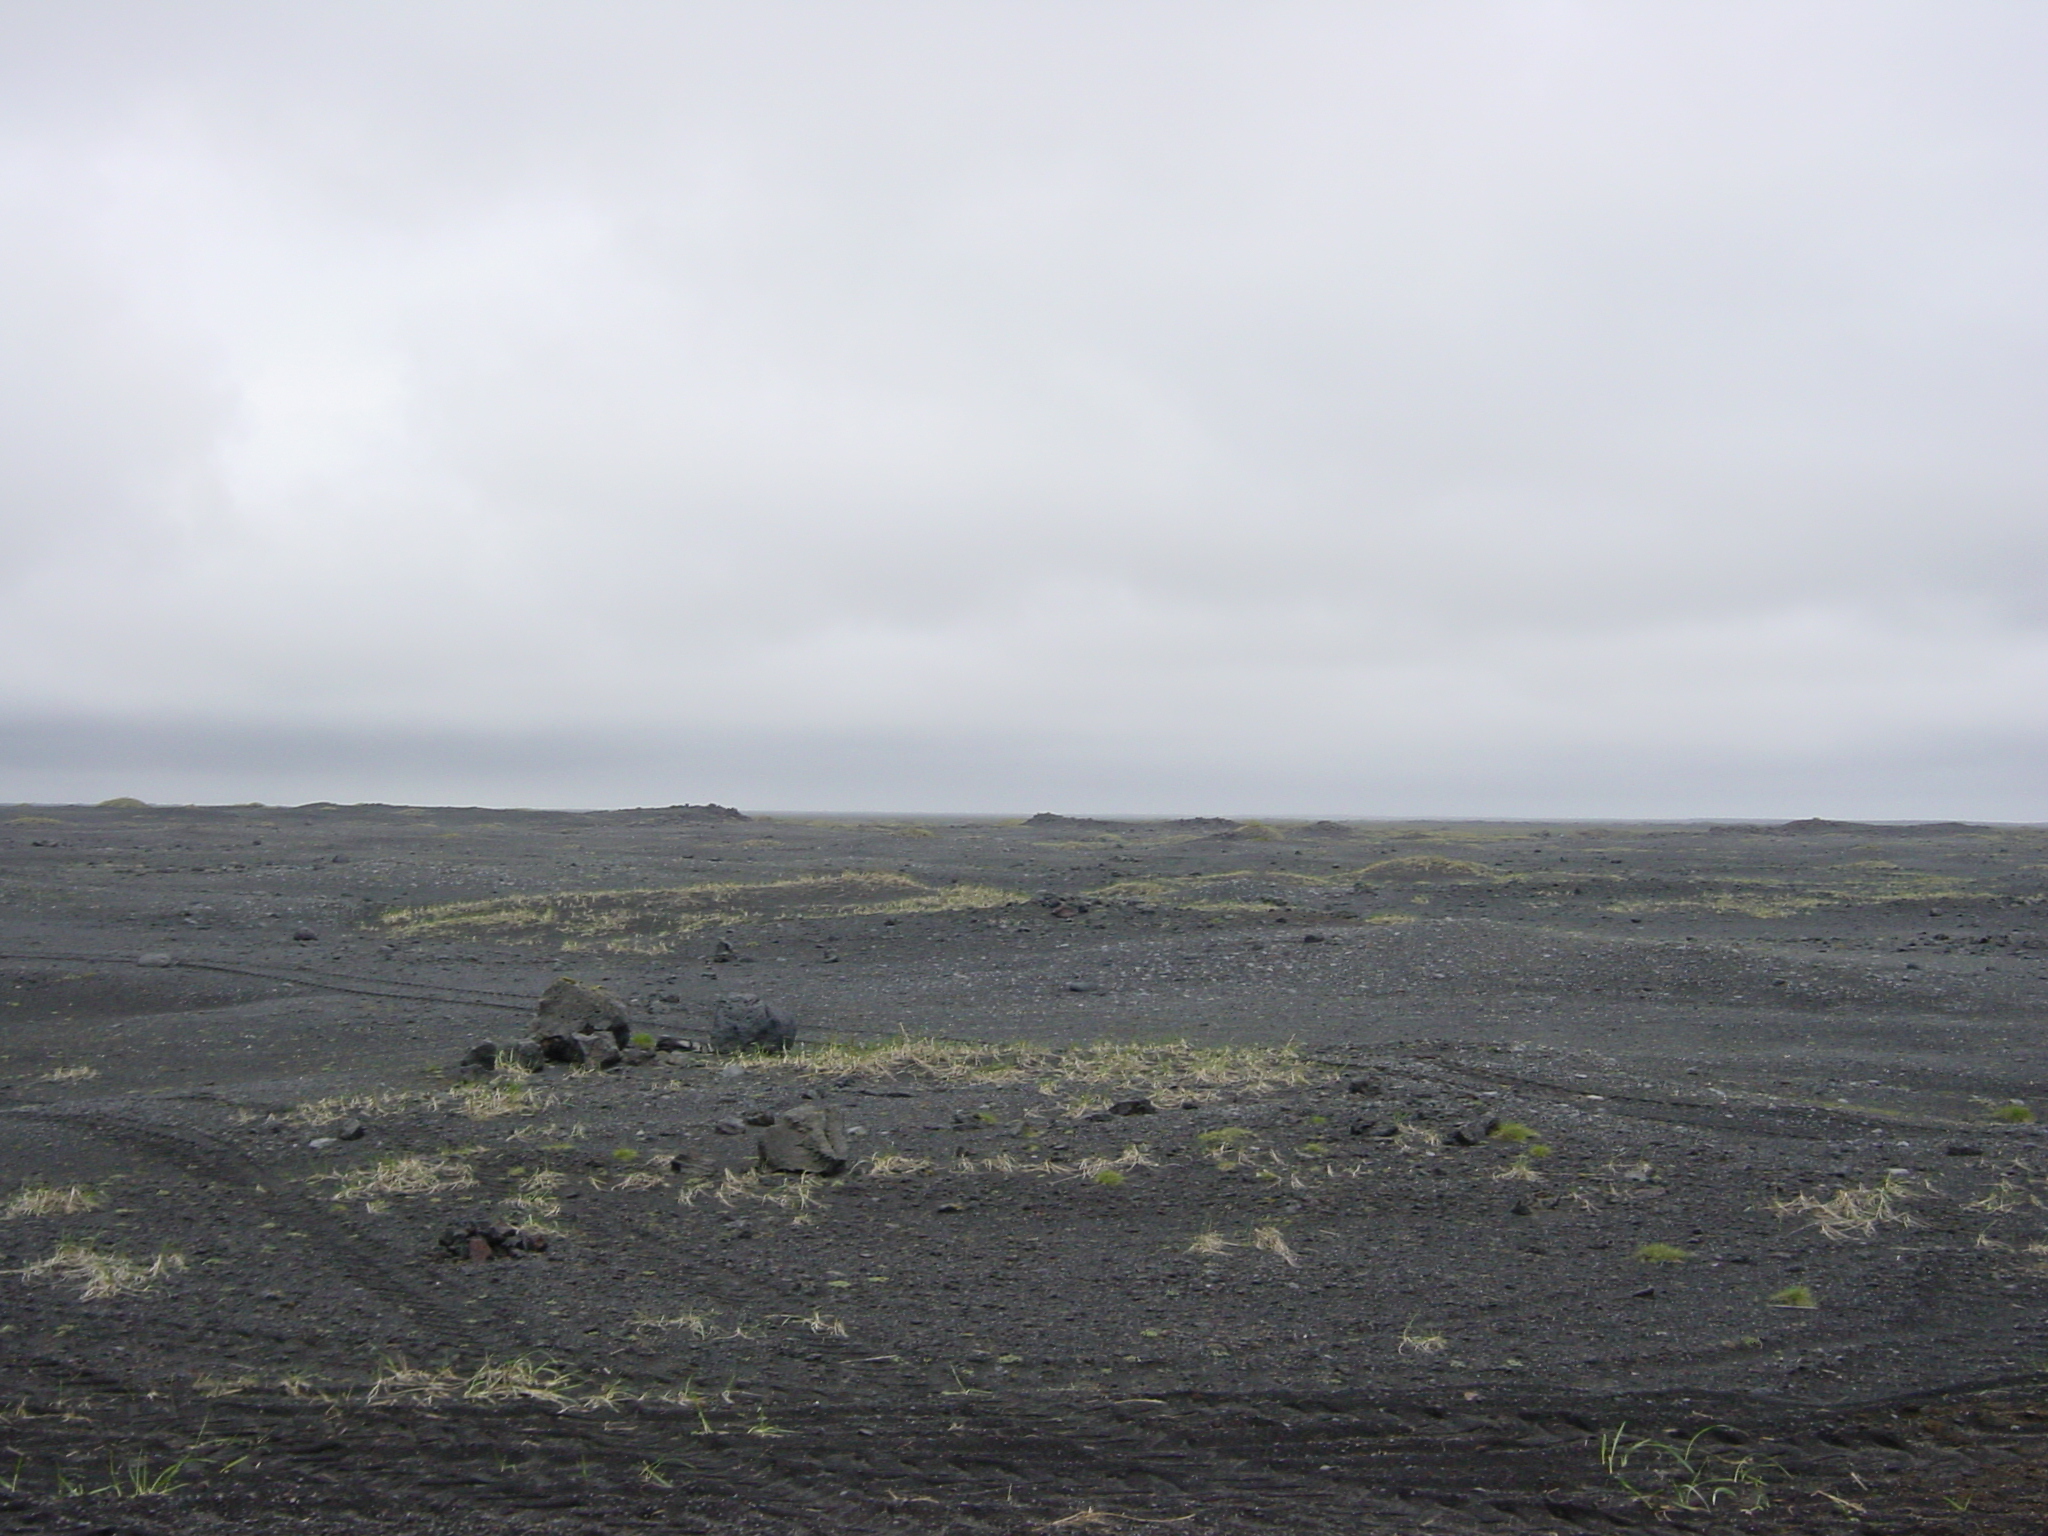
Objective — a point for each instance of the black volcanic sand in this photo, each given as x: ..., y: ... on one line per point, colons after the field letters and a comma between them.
x: 1287, y: 1296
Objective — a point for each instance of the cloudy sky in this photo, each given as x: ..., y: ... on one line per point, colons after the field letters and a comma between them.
x: 1437, y: 408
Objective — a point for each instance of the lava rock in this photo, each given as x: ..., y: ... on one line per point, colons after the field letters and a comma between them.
x: 156, y: 961
x: 600, y: 1049
x: 304, y: 935
x: 742, y: 1022
x: 571, y: 1007
x: 480, y: 1240
x: 1134, y: 1107
x: 1474, y: 1132
x: 351, y: 1130
x: 730, y: 1126
x: 810, y: 1138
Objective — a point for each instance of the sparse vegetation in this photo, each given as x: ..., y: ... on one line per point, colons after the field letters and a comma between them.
x: 1854, y: 1213
x: 2013, y: 1113
x: 1272, y: 1240
x: 1800, y: 1296
x: 523, y: 1378
x: 102, y: 1274
x: 1661, y: 1253
x: 496, y: 1096
x: 406, y: 1173
x: 51, y: 1200
x: 1672, y: 1474
x: 654, y: 921
x: 74, y: 1074
x: 1512, y: 1130
x: 1416, y: 1341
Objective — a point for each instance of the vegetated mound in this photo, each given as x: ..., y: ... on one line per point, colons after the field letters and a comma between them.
x: 1090, y: 823
x: 1204, y: 824
x: 1813, y: 825
x: 650, y: 921
x: 1425, y: 868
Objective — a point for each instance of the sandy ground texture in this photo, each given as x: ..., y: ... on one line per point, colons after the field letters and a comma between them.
x: 1205, y: 1176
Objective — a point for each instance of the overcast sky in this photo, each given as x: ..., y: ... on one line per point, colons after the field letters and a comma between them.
x: 1527, y: 409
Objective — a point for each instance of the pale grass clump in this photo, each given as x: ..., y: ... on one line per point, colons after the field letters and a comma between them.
x: 1176, y: 1068
x: 1212, y: 1245
x: 1854, y: 1214
x: 315, y: 1113
x: 817, y: 1322
x: 1272, y: 1240
x: 896, y: 1165
x: 535, y: 1201
x: 102, y: 1274
x: 798, y: 1195
x: 499, y: 1095
x: 642, y: 1178
x: 405, y: 1173
x: 1520, y: 1170
x: 207, y: 1384
x: 77, y: 1074
x: 2002, y: 1198
x: 550, y: 1134
x: 1416, y: 1139
x: 51, y: 1200
x: 1415, y: 1341
x: 521, y: 1379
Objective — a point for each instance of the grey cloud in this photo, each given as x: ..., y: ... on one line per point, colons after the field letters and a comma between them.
x: 1504, y: 407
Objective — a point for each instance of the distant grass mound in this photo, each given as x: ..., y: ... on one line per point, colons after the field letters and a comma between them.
x: 1424, y: 869
x: 652, y: 922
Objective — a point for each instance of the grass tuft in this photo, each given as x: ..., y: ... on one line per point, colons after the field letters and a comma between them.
x: 405, y: 1173
x: 51, y: 1200
x: 1661, y: 1253
x: 102, y: 1274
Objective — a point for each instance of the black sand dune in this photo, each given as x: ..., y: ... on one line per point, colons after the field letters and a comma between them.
x: 1220, y: 1176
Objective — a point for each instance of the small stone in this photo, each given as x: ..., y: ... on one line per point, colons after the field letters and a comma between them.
x: 351, y: 1130
x: 1363, y: 1127
x: 1647, y: 1293
x: 759, y: 1117
x: 1362, y: 1085
x: 484, y: 1055
x: 322, y: 1143
x: 730, y: 1127
x: 1474, y: 1132
x: 304, y: 935
x: 156, y: 960
x: 950, y: 1208
x: 1961, y: 1149
x: 1134, y: 1107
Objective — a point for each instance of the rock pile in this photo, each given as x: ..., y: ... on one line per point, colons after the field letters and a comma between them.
x: 479, y: 1240
x: 579, y: 1025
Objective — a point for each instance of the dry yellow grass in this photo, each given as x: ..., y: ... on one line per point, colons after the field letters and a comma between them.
x: 51, y: 1200
x: 521, y: 1379
x: 409, y: 1173
x: 1172, y: 1069
x: 100, y: 1273
x: 1854, y: 1214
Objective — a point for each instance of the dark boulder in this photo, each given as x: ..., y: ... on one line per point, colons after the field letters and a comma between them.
x: 744, y: 1023
x: 571, y: 1007
x: 810, y: 1138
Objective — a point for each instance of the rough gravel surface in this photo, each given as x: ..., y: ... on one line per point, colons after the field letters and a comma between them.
x: 1218, y: 1177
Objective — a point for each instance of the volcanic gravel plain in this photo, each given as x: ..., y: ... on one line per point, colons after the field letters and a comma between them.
x: 1205, y: 1176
